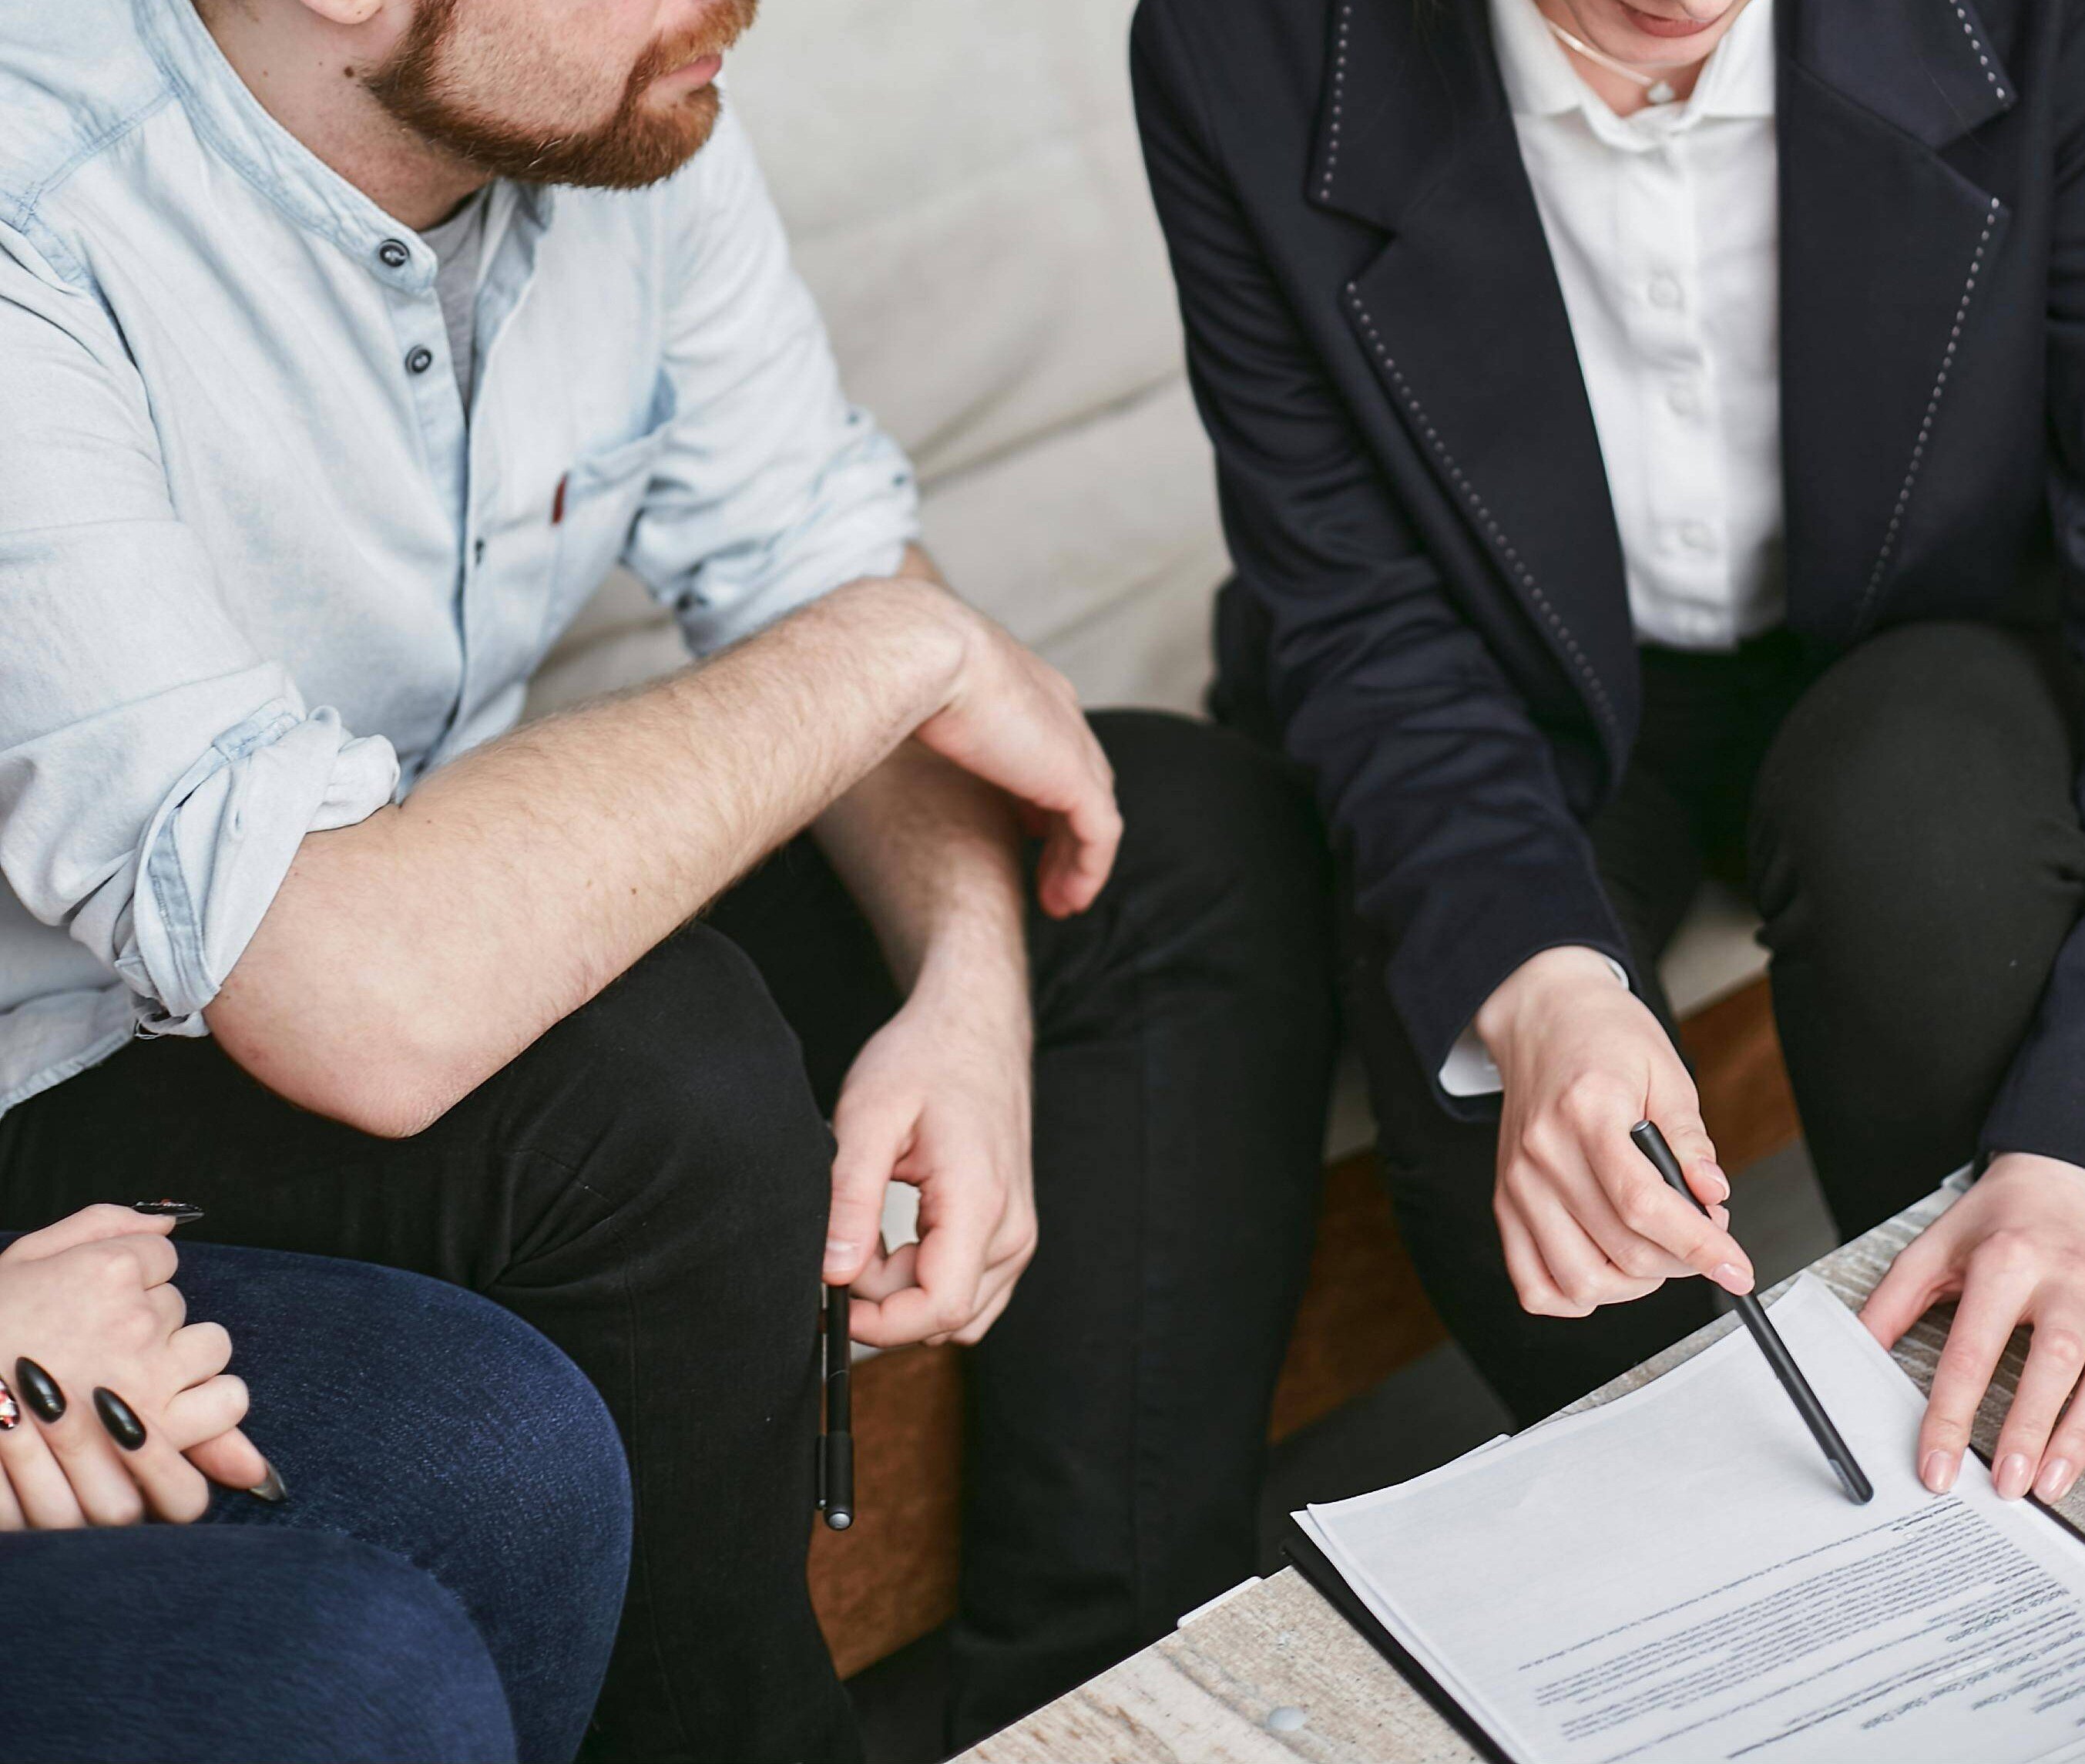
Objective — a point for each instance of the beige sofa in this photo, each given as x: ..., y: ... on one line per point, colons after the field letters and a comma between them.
x: 962, y: 181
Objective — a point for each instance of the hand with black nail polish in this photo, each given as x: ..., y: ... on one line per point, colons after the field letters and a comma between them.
x: 119, y: 1419
x: 179, y: 1211
x: 114, y: 1405
x: 40, y: 1391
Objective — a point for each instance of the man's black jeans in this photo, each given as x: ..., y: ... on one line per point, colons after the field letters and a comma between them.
x: 1904, y: 822
x: 647, y: 1185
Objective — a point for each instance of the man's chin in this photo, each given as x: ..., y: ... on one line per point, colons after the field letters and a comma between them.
x: 647, y: 144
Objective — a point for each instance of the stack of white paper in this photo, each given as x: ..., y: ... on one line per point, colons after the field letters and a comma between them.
x: 1678, y: 1578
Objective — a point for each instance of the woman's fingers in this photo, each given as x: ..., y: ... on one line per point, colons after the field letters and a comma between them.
x: 1679, y: 1119
x: 1634, y: 1256
x: 41, y: 1489
x: 2055, y: 1356
x: 1921, y: 1276
x: 104, y: 1488
x: 200, y: 1350
x: 1578, y: 1267
x: 149, y: 1260
x: 1650, y: 1210
x: 165, y: 1303
x: 172, y: 1487
x: 204, y: 1411
x: 1994, y: 1299
x: 233, y: 1461
x: 1524, y: 1266
x: 89, y: 1225
x: 2064, y: 1456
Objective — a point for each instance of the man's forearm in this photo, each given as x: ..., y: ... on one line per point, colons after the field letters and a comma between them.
x: 407, y: 957
x: 932, y: 855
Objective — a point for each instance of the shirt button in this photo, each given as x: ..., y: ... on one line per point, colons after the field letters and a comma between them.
x: 1664, y: 292
x: 392, y: 254
x: 1695, y: 536
x: 419, y: 359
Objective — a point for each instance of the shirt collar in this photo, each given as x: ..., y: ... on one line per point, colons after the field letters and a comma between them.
x: 1738, y: 80
x: 239, y: 128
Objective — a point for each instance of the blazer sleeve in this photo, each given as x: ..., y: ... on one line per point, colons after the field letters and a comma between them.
x: 2041, y: 1107
x: 1444, y: 799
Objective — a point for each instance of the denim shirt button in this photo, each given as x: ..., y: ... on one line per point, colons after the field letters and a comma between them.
x: 420, y: 359
x: 392, y: 254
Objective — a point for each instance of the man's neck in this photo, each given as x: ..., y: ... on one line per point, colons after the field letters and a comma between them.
x: 308, y: 75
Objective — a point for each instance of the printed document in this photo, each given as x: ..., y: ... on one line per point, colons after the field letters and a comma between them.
x: 1677, y: 1578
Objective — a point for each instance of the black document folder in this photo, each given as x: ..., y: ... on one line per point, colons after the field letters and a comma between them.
x: 1316, y: 1568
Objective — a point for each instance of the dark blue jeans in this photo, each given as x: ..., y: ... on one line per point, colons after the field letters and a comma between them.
x: 443, y: 1584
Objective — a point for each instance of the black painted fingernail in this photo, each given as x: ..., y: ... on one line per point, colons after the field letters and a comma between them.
x: 180, y: 1211
x: 269, y: 1488
x: 40, y: 1391
x: 120, y: 1418
x: 10, y: 1411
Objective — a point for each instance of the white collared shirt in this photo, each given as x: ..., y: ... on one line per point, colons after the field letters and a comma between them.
x: 1664, y: 227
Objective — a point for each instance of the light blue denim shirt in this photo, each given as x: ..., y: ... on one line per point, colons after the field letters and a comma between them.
x: 259, y: 569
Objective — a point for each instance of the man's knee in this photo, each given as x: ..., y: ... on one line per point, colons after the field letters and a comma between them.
x: 1914, y: 783
x: 683, y: 1084
x: 1221, y: 837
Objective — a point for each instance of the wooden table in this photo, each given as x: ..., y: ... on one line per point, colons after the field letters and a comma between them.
x: 1272, y: 1674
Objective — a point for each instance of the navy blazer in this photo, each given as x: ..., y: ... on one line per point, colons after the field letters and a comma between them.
x: 1411, y: 480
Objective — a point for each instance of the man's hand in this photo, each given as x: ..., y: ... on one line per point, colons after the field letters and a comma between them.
x: 1014, y: 721
x: 1584, y: 1218
x: 90, y: 1299
x: 939, y: 1098
x: 2011, y: 1251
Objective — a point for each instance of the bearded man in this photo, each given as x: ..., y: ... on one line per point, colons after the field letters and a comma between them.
x: 325, y: 412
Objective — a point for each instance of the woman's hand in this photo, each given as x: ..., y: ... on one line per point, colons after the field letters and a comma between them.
x: 90, y: 1301
x: 2012, y: 1252
x: 1584, y: 1218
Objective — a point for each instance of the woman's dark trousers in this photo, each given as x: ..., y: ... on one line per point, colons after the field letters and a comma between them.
x: 1904, y: 820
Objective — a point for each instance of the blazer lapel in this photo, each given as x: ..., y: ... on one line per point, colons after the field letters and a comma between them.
x: 1462, y: 319
x: 1882, y: 245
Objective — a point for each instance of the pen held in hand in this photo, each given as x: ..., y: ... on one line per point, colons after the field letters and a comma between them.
x: 1651, y: 1143
x: 836, y: 1442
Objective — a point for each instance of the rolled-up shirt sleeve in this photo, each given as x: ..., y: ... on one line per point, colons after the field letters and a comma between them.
x: 156, y: 773
x: 771, y: 489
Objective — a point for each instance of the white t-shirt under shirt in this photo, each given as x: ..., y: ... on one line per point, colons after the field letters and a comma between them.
x: 458, y: 244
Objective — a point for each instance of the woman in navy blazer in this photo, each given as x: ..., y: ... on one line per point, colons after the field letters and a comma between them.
x: 1432, y: 612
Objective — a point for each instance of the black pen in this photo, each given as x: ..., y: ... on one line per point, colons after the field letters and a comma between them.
x: 1651, y: 1143
x: 836, y: 1443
